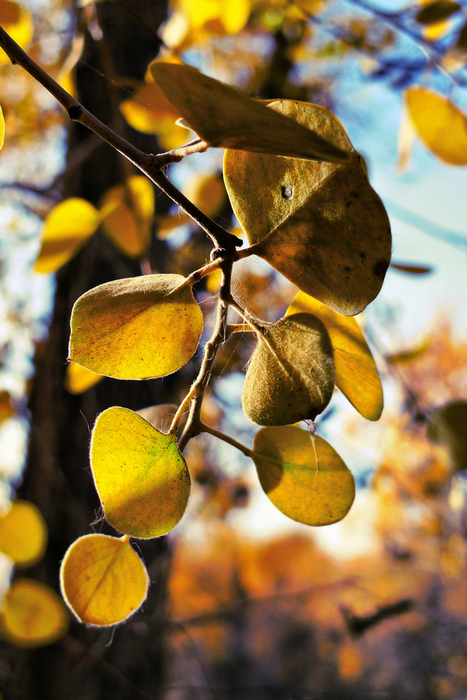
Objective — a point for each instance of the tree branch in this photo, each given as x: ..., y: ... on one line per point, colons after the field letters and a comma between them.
x: 146, y: 162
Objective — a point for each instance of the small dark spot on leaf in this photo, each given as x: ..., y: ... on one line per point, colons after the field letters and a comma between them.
x: 362, y: 255
x: 287, y: 191
x: 347, y: 269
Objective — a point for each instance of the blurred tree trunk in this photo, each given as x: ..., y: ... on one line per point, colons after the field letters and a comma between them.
x: 91, y: 663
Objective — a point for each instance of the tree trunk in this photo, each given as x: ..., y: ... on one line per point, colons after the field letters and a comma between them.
x: 91, y: 663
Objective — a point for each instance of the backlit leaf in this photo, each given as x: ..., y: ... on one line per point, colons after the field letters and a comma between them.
x: 436, y: 11
x: 33, y: 614
x: 287, y: 470
x: 103, y: 580
x: 439, y: 124
x: 296, y: 382
x: 356, y: 374
x: 140, y: 475
x: 127, y: 213
x: 78, y: 379
x: 23, y: 533
x: 136, y: 328
x: 66, y: 229
x: 224, y: 117
x: 17, y: 21
x: 2, y: 128
x: 6, y: 407
x: 320, y: 224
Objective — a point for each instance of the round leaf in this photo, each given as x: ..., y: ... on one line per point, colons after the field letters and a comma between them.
x: 23, y: 533
x: 227, y: 118
x: 103, y: 580
x: 291, y: 374
x: 127, y: 213
x: 33, y: 614
x: 287, y: 470
x: 356, y: 374
x: 320, y: 224
x: 136, y: 328
x: 439, y: 124
x: 65, y: 231
x: 140, y: 475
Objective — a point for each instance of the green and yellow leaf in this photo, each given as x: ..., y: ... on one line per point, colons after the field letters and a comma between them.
x: 23, y: 533
x: 356, y: 374
x: 33, y: 615
x: 440, y: 125
x: 103, y: 580
x: 295, y: 484
x: 127, y: 213
x: 66, y: 229
x: 140, y: 475
x: 136, y: 328
x: 291, y: 374
x: 224, y: 117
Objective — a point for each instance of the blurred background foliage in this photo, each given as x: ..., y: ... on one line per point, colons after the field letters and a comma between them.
x: 244, y: 604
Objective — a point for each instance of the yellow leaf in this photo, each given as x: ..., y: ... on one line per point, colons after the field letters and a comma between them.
x: 140, y: 475
x: 2, y: 128
x: 66, y: 229
x: 6, y: 407
x: 207, y: 192
x: 288, y: 473
x: 150, y: 112
x: 127, y: 213
x: 17, y: 21
x: 33, y: 614
x: 103, y: 580
x: 224, y: 117
x: 217, y: 16
x: 291, y: 374
x: 439, y: 124
x: 320, y: 224
x: 23, y: 533
x: 356, y: 374
x: 136, y: 328
x: 79, y: 379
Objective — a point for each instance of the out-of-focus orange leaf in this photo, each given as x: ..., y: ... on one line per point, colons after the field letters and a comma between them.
x: 439, y: 124
x: 23, y: 533
x: 78, y: 379
x: 103, y: 580
x: 412, y: 269
x: 6, y: 407
x: 409, y: 355
x: 17, y: 21
x: 127, y: 212
x: 2, y: 128
x: 33, y: 614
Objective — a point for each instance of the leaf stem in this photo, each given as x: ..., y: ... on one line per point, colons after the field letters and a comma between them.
x: 148, y: 163
x: 196, y: 394
x: 231, y: 441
